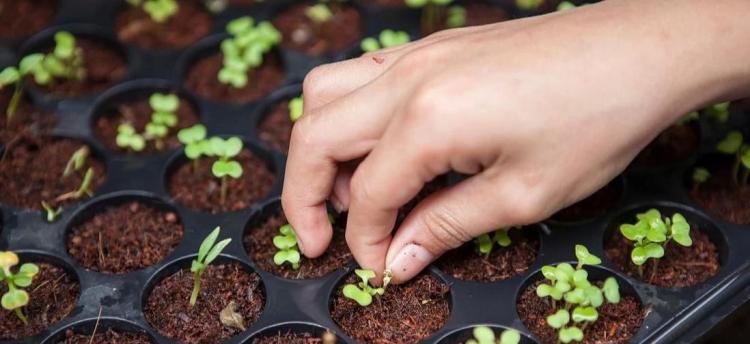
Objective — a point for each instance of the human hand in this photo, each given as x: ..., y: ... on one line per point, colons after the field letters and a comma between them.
x: 540, y: 111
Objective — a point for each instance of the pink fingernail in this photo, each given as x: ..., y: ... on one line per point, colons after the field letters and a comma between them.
x: 410, y: 261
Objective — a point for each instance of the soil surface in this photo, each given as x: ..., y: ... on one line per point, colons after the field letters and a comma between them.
x: 28, y: 120
x: 103, y: 65
x: 24, y: 18
x: 52, y: 296
x: 673, y: 145
x: 168, y: 308
x: 617, y: 323
x: 203, y: 80
x: 680, y: 266
x: 301, y: 33
x: 465, y: 263
x: 124, y: 238
x: 598, y: 204
x: 288, y: 337
x: 259, y: 245
x: 276, y: 129
x: 138, y: 114
x: 191, y: 23
x: 199, y: 189
x: 721, y: 196
x: 26, y: 183
x: 477, y: 13
x: 109, y: 336
x: 407, y: 313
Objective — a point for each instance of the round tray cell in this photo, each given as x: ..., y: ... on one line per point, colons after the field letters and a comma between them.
x: 724, y: 194
x: 617, y: 323
x: 259, y: 245
x: 406, y: 313
x: 275, y: 127
x: 462, y: 335
x: 130, y: 104
x: 123, y: 234
x: 675, y: 144
x: 592, y: 207
x: 681, y: 266
x: 336, y: 35
x: 27, y: 118
x: 293, y: 333
x: 104, y: 330
x: 104, y: 61
x: 191, y: 23
x: 53, y: 295
x: 27, y: 183
x: 167, y: 308
x: 24, y: 18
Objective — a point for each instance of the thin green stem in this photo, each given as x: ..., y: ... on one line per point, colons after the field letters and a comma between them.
x: 196, y: 288
x: 20, y: 315
x: 13, y: 104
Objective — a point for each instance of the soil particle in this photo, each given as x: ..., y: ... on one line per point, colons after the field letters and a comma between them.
x: 24, y: 18
x: 28, y: 120
x: 301, y: 33
x: 109, y: 336
x: 187, y: 26
x: 203, y: 80
x: 276, y: 129
x: 289, y: 337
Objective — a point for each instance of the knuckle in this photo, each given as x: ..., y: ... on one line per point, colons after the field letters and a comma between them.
x: 445, y: 229
x: 312, y: 86
x: 527, y: 209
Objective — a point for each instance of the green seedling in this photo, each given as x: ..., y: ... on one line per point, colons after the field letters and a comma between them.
x: 16, y: 298
x: 128, y: 138
x: 577, y: 297
x: 386, y: 39
x: 319, y: 13
x: 690, y: 117
x: 485, y: 335
x: 77, y: 161
x: 485, y: 243
x: 733, y: 144
x: 207, y: 253
x: 564, y: 6
x: 456, y: 17
x: 196, y: 145
x: 718, y: 112
x: 432, y: 11
x: 52, y: 212
x: 651, y: 234
x: 288, y: 251
x: 296, y: 105
x: 244, y: 50
x: 163, y: 117
x: 362, y: 292
x: 529, y: 5
x: 700, y: 176
x: 83, y: 190
x: 225, y: 167
x: 159, y: 10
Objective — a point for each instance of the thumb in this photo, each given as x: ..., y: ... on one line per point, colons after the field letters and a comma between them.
x: 451, y: 217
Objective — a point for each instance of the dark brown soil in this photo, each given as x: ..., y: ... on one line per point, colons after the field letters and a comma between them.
x: 386, y: 3
x: 109, y: 336
x: 289, y: 337
x: 466, y: 264
x: 335, y: 35
x: 680, y: 267
x: 477, y: 13
x: 24, y: 18
x: 52, y: 296
x: 28, y: 120
x: 203, y: 80
x: 617, y: 323
x: 259, y: 244
x: 276, y: 128
x: 200, y: 190
x: 720, y: 196
x: 103, y: 65
x: 675, y: 144
x: 187, y: 26
x: 124, y: 238
x: 168, y: 308
x: 593, y: 206
x: 26, y: 182
x: 138, y: 114
x: 407, y: 313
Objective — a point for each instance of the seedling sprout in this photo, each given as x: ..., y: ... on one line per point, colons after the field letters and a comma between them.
x: 83, y: 190
x: 718, y: 112
x: 244, y: 50
x: 362, y: 292
x: 76, y: 161
x: 16, y: 298
x: 207, y: 253
x: 159, y: 10
x: 456, y: 17
x: 529, y: 5
x: 565, y: 5
x: 432, y: 10
x: 194, y: 139
x: 485, y: 243
x: 52, y: 212
x: 733, y: 145
x: 288, y: 251
x: 700, y: 176
x: 386, y: 39
x: 485, y: 335
x: 225, y: 167
x: 296, y: 105
x: 651, y: 234
x: 319, y: 13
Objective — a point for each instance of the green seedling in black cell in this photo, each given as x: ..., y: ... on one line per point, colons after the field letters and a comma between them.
x: 485, y: 243
x: 485, y: 335
x: 243, y: 51
x: 386, y: 39
x: 651, y: 234
x: 733, y: 145
x: 77, y: 161
x: 163, y: 117
x: 52, y: 212
x: 225, y: 167
x: 159, y: 10
x: 574, y: 297
x: 207, y: 253
x: 16, y: 298
x: 128, y: 138
x: 319, y: 13
x: 196, y: 145
x: 288, y: 250
x: 432, y: 11
x: 718, y: 112
x: 456, y: 17
x: 529, y: 5
x: 83, y: 190
x: 296, y: 106
x: 362, y: 292
x: 700, y: 176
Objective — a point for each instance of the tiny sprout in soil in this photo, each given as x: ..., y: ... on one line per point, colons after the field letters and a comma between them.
x: 362, y: 292
x: 64, y: 62
x: 52, y: 212
x: 76, y: 163
x: 718, y: 112
x: 288, y: 251
x: 571, y: 286
x: 485, y: 243
x: 485, y: 335
x: 651, y: 234
x: 296, y: 105
x: 700, y: 176
x: 529, y: 5
x: 387, y: 38
x: 244, y: 50
x: 433, y: 10
x: 207, y: 253
x: 565, y: 5
x: 159, y: 10
x: 163, y: 118
x: 15, y: 298
x: 734, y: 144
x: 319, y: 13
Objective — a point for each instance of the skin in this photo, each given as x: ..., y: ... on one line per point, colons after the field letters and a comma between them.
x: 541, y: 112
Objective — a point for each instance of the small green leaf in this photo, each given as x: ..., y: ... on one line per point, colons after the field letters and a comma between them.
x: 291, y: 256
x: 192, y: 134
x: 564, y: 272
x: 230, y: 168
x: 156, y: 130
x: 570, y: 334
x: 319, y: 13
x: 283, y: 242
x: 636, y: 232
x: 559, y: 319
x: 501, y: 238
x: 484, y: 244
x: 544, y: 290
x: 196, y: 266
x: 611, y: 290
x: 585, y: 257
x: 65, y: 45
x: 207, y: 243
x: 29, y: 269
x: 484, y: 335
x: 549, y: 272
x: 296, y: 106
x: 365, y: 275
x: 580, y: 278
x: 30, y: 63
x: 369, y: 44
x: 15, y: 299
x: 240, y: 25
x: 216, y: 250
x: 565, y: 5
x: 161, y: 102
x: 681, y: 230
x: 456, y: 17
x: 352, y: 292
x: 510, y: 337
x: 731, y: 143
x: 9, y: 75
x: 594, y: 296
x: 588, y: 314
x: 576, y: 296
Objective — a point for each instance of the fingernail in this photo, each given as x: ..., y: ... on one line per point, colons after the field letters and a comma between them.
x: 410, y: 261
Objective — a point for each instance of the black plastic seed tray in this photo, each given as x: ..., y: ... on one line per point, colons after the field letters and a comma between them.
x: 675, y: 315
